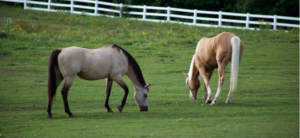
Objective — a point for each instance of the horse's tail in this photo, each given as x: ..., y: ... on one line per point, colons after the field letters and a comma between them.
x: 235, y: 57
x: 53, y: 64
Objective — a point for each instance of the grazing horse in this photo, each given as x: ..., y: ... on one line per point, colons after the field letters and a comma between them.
x: 110, y: 62
x: 212, y: 53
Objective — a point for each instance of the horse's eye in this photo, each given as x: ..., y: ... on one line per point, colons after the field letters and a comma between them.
x: 145, y: 95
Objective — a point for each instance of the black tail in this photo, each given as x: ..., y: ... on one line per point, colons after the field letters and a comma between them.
x: 52, y: 75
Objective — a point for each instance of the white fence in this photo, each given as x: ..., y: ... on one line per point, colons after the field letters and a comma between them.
x: 163, y: 14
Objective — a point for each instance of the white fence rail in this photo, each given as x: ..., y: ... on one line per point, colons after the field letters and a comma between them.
x: 165, y: 14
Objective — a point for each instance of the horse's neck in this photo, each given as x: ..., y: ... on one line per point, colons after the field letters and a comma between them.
x: 195, y: 73
x: 133, y: 77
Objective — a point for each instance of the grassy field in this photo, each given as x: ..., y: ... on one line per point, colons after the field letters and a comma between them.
x: 266, y: 103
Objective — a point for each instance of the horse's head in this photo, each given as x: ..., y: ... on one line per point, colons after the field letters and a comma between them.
x: 194, y: 85
x: 141, y: 97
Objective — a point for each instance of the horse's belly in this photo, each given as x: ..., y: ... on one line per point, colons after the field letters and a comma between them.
x: 92, y: 76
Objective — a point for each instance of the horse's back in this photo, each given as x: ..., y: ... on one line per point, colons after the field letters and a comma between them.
x: 90, y: 64
x: 224, y: 44
x: 215, y: 49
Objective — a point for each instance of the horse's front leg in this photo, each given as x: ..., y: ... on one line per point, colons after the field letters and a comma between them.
x: 120, y: 107
x: 221, y: 72
x: 109, y: 83
x: 205, y: 89
x: 122, y: 84
x: 206, y: 82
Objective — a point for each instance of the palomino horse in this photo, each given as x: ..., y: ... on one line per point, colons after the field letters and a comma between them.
x: 110, y: 62
x: 212, y: 53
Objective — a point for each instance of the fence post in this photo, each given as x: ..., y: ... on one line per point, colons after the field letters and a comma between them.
x: 72, y: 6
x: 96, y: 7
x: 121, y: 10
x: 25, y: 4
x: 220, y: 19
x: 195, y: 16
x: 49, y: 5
x: 168, y: 14
x: 275, y: 22
x: 144, y: 12
x: 247, y: 20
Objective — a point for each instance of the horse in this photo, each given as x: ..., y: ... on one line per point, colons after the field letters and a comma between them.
x: 110, y: 62
x: 212, y: 53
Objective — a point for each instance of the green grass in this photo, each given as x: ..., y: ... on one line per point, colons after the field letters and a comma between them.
x: 266, y: 103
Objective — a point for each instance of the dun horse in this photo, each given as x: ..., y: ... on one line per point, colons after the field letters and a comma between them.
x: 110, y: 62
x: 212, y: 53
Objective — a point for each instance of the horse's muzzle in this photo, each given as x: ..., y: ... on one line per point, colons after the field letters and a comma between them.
x: 193, y: 95
x: 145, y: 108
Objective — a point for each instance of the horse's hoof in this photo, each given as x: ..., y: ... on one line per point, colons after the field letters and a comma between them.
x: 71, y: 116
x: 49, y: 116
x: 228, y: 102
x: 213, y: 103
x: 120, y: 108
x: 208, y: 101
x: 109, y: 111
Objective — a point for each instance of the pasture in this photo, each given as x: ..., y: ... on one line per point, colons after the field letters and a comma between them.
x: 266, y: 103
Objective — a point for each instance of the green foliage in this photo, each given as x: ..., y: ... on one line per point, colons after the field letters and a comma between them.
x: 266, y: 103
x: 0, y: 133
x: 269, y: 7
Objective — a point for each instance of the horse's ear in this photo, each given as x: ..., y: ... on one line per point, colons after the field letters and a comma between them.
x: 185, y: 74
x: 147, y: 86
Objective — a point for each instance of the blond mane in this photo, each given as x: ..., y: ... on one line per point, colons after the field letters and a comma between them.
x: 191, y: 69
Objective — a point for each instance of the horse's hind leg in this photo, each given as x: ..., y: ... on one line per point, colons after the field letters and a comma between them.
x: 228, y: 100
x: 109, y: 83
x: 59, y: 78
x: 64, y: 92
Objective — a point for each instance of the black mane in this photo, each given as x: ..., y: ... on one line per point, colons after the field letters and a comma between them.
x: 134, y: 65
